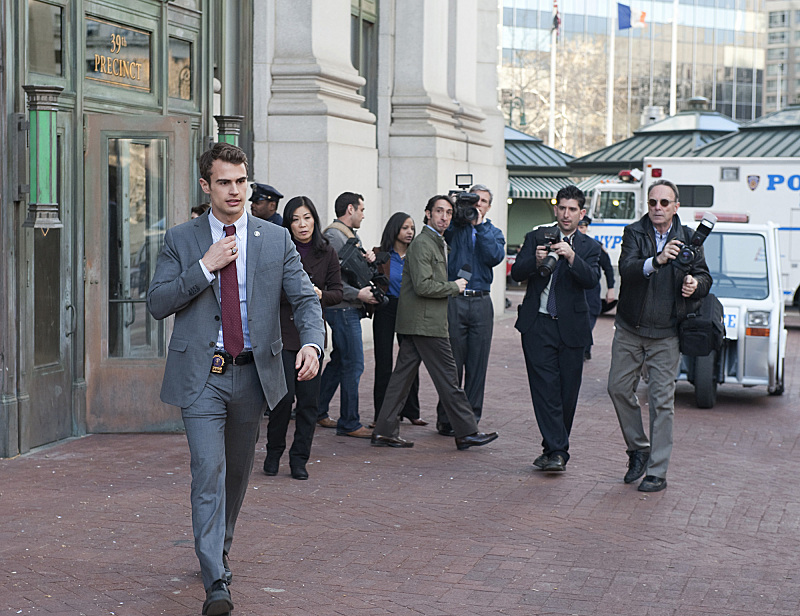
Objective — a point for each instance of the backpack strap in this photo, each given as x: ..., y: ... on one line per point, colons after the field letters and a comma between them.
x: 340, y: 226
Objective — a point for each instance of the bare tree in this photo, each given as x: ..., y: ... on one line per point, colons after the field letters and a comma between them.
x: 580, y: 104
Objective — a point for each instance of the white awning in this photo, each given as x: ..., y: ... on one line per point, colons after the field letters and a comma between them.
x: 536, y: 187
x: 587, y: 185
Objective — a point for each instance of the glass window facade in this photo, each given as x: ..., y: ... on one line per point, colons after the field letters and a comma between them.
x: 720, y: 48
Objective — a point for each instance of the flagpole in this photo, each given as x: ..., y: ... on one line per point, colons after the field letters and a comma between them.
x: 610, y: 84
x: 551, y: 130
x: 673, y: 69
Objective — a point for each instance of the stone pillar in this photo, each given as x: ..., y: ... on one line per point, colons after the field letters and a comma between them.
x: 318, y: 140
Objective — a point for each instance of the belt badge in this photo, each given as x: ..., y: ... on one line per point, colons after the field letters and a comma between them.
x: 218, y: 364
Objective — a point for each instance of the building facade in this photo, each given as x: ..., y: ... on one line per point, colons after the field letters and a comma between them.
x: 719, y: 54
x: 782, y: 86
x: 109, y: 104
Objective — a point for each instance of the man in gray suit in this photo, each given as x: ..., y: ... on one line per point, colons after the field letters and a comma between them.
x: 221, y: 275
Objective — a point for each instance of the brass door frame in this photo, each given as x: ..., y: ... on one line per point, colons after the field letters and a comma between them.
x: 123, y: 393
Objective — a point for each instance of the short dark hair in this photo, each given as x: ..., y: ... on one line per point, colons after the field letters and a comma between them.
x: 434, y: 199
x: 221, y: 151
x: 666, y: 183
x: 345, y: 199
x: 201, y: 209
x: 571, y: 192
x: 391, y: 230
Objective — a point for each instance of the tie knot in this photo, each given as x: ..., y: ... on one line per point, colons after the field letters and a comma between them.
x: 229, y: 229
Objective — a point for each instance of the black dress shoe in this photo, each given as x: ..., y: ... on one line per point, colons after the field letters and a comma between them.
x: 299, y: 472
x: 637, y: 463
x: 228, y: 574
x: 651, y: 483
x: 218, y: 600
x: 389, y: 441
x: 445, y: 429
x: 541, y: 461
x: 475, y: 440
x: 555, y: 463
x: 271, y: 464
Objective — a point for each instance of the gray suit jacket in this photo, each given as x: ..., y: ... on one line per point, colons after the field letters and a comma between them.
x: 179, y: 287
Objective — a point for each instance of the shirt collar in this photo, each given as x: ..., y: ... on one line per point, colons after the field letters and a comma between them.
x: 240, y: 224
x: 658, y: 234
x: 434, y: 230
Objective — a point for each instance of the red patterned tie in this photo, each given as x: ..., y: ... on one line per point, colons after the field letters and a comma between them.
x: 232, y: 335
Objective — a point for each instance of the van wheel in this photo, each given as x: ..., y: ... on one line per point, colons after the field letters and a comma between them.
x: 778, y: 391
x: 705, y: 380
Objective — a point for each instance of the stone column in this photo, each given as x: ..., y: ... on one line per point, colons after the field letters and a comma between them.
x: 317, y: 140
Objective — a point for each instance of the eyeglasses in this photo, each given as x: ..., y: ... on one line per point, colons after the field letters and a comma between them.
x: 664, y: 202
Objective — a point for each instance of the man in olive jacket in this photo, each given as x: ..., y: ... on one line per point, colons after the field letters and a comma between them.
x: 422, y: 320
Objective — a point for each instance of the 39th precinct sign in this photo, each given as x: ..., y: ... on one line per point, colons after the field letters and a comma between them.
x: 117, y: 55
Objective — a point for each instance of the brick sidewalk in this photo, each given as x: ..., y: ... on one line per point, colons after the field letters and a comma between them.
x: 101, y: 525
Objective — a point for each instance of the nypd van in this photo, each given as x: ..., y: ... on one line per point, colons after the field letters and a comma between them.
x: 743, y: 190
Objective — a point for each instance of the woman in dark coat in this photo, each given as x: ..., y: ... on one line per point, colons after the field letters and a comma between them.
x: 397, y: 235
x: 322, y: 265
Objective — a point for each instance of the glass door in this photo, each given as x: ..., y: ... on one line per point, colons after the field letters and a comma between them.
x: 48, y: 322
x: 137, y: 179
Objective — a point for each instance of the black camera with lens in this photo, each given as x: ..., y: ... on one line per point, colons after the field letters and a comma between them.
x: 548, y: 266
x: 359, y: 273
x: 688, y: 252
x: 465, y: 211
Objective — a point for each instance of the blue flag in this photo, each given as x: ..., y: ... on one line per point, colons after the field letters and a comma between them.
x: 628, y: 18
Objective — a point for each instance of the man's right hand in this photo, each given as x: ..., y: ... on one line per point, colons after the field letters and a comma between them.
x: 366, y: 296
x: 462, y: 284
x: 670, y: 251
x: 220, y: 253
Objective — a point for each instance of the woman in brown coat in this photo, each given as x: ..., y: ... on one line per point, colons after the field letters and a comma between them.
x: 322, y: 266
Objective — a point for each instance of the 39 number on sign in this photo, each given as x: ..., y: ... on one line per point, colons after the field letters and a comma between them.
x: 117, y: 43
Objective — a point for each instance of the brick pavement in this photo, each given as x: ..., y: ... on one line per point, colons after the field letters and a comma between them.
x: 101, y: 525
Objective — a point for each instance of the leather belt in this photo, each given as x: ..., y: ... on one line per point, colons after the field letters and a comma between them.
x: 474, y: 293
x: 547, y: 316
x: 245, y: 357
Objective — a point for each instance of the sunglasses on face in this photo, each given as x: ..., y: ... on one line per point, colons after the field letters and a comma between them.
x: 664, y: 202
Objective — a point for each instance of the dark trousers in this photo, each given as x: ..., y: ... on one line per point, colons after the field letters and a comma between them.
x: 554, y: 375
x: 438, y: 359
x: 471, y: 321
x: 307, y: 394
x: 383, y: 339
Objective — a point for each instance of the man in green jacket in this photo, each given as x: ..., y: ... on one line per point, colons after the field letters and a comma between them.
x: 422, y: 320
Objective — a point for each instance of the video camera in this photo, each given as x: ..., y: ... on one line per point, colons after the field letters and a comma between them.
x: 465, y: 212
x: 359, y: 273
x: 688, y: 251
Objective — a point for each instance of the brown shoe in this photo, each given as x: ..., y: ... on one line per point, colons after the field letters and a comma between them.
x: 362, y: 432
x: 326, y: 422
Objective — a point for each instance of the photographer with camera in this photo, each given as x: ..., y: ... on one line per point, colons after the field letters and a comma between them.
x: 476, y: 246
x: 660, y: 263
x: 344, y: 319
x: 559, y: 265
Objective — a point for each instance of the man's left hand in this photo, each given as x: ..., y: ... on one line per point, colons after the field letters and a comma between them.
x: 564, y: 249
x: 307, y: 363
x: 369, y: 256
x: 689, y: 285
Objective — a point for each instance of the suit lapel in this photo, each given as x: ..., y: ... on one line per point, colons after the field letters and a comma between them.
x: 202, y: 233
x: 255, y: 244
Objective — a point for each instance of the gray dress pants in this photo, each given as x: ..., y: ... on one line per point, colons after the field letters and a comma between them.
x: 222, y: 429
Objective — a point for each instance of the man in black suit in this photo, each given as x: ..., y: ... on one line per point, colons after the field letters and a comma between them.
x: 554, y: 320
